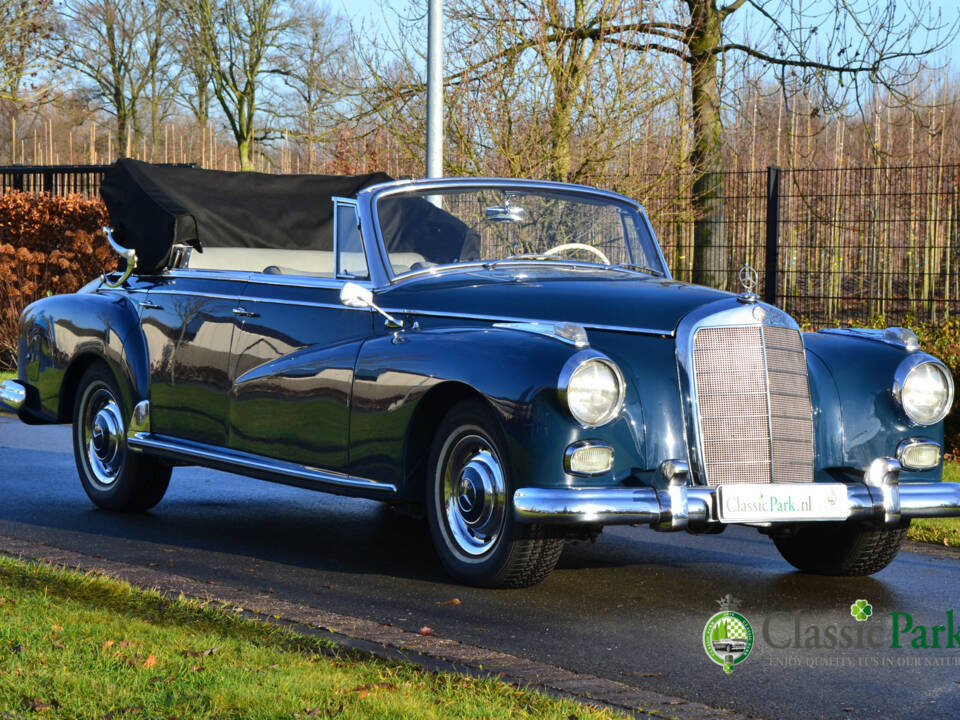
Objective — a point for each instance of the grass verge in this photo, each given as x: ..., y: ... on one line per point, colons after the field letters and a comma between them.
x: 81, y: 645
x: 939, y: 531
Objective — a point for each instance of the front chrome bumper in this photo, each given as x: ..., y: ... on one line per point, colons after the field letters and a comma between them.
x: 880, y: 499
x: 12, y: 395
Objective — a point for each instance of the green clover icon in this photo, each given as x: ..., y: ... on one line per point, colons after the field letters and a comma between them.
x: 861, y: 610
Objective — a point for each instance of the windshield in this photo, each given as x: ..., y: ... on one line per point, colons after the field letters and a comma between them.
x: 426, y: 228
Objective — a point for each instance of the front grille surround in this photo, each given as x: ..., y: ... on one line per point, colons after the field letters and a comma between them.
x: 751, y: 396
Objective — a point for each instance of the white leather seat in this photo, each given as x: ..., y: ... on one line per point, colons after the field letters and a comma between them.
x: 313, y: 263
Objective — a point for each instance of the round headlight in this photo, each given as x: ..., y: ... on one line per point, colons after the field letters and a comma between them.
x: 593, y: 388
x: 924, y: 389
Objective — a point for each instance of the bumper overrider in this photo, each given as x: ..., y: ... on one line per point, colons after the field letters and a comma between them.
x: 12, y: 396
x: 879, y: 500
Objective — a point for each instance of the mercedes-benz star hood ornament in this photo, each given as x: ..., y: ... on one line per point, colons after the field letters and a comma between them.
x: 749, y: 278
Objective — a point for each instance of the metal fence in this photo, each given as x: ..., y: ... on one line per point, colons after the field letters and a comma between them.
x: 57, y: 179
x: 52, y: 179
x: 849, y: 244
x: 831, y: 245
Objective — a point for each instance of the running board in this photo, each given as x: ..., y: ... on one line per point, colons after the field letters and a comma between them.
x: 257, y: 466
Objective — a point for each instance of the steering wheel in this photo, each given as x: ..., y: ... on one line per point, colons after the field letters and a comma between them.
x: 577, y: 246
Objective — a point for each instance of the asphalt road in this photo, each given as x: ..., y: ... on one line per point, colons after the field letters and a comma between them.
x: 630, y: 607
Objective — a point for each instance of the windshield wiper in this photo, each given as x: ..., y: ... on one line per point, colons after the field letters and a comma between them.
x: 638, y: 268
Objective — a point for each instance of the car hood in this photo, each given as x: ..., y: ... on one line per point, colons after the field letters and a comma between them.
x: 590, y: 297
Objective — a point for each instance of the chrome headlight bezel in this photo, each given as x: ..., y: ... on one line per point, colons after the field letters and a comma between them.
x: 570, y: 369
x: 902, y: 373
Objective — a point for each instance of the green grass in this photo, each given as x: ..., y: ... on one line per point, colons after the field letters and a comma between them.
x: 84, y: 646
x: 7, y: 375
x: 939, y: 531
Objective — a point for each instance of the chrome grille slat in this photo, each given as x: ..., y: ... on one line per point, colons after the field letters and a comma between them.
x: 753, y: 398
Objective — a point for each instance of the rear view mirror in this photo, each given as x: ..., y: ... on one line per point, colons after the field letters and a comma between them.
x: 505, y: 213
x: 357, y: 296
x: 353, y: 295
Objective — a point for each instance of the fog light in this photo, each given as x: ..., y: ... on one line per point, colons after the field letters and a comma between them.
x: 588, y: 458
x: 918, y: 454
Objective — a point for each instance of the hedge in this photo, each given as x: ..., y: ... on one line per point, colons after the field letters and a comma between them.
x: 48, y: 245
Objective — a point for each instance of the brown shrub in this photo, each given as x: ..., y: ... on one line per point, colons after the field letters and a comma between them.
x: 48, y: 245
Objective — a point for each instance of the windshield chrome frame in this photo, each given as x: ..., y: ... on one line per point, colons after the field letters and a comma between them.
x: 381, y: 272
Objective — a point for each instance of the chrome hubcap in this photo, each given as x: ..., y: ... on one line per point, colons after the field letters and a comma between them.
x: 474, y: 496
x: 103, y: 435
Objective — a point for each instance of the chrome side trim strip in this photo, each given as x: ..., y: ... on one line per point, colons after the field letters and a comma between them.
x: 255, y: 298
x: 12, y: 395
x: 570, y: 333
x: 427, y: 313
x: 260, y: 278
x: 240, y: 461
x: 508, y: 319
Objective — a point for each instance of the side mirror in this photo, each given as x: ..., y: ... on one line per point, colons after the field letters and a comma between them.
x: 353, y: 295
x: 357, y: 296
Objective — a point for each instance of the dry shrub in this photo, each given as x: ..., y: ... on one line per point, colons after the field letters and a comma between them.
x: 48, y: 246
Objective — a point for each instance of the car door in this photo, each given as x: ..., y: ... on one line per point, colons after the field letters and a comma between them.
x: 188, y: 319
x: 294, y: 353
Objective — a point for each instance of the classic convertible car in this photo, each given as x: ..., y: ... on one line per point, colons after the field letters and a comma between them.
x: 513, y: 356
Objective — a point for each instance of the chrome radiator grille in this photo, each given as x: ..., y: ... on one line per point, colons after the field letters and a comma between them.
x: 755, y: 417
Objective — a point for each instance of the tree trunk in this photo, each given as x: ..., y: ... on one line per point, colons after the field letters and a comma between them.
x: 123, y: 131
x: 245, y: 152
x: 710, y: 254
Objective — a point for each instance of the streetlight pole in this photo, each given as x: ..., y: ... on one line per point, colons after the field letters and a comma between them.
x: 435, y: 90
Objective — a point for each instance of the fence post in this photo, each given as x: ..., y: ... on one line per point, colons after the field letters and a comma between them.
x: 773, y: 235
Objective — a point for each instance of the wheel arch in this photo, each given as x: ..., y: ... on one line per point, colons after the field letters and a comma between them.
x: 431, y: 410
x: 61, y: 336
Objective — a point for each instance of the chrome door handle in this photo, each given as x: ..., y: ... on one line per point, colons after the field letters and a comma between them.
x: 147, y: 305
x: 241, y: 312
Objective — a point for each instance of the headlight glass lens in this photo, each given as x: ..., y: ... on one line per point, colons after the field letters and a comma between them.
x: 927, y: 393
x: 594, y: 393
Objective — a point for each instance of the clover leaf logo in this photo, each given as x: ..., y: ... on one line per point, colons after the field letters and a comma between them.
x: 861, y: 610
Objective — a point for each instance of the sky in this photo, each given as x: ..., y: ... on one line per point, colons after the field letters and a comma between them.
x: 370, y: 12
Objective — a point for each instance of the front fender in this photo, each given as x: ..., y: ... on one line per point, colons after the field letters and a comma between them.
x: 515, y: 372
x: 59, y: 333
x: 873, y: 423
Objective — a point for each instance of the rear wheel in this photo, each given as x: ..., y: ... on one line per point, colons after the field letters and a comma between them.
x: 470, y: 506
x: 836, y: 549
x: 113, y: 478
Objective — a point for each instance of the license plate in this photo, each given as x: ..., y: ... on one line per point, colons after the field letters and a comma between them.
x: 782, y: 502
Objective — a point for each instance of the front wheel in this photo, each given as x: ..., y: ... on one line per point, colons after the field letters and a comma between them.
x: 113, y: 478
x: 837, y: 549
x: 470, y: 506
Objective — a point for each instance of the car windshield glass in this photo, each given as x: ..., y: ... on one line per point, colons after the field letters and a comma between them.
x: 427, y: 228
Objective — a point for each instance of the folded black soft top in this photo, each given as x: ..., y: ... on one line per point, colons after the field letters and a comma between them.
x: 153, y: 207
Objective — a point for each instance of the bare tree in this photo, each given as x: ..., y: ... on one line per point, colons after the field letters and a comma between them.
x: 238, y: 40
x: 23, y: 24
x: 315, y: 69
x: 120, y: 47
x: 561, y: 106
x: 195, y: 89
x: 839, y: 47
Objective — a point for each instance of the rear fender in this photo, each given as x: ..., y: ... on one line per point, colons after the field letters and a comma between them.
x: 61, y: 336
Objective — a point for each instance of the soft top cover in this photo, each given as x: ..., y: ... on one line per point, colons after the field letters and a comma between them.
x: 153, y: 207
